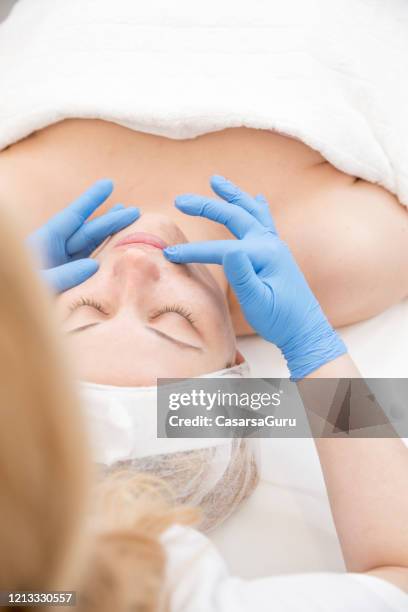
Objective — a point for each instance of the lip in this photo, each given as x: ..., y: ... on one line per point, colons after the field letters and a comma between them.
x: 142, y: 238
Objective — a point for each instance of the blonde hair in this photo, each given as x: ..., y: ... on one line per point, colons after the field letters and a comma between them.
x: 53, y: 533
x: 45, y: 471
x: 126, y: 570
x: 43, y: 456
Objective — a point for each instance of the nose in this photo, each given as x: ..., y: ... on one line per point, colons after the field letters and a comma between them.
x: 136, y: 267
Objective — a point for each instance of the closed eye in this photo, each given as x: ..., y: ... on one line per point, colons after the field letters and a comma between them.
x: 183, y: 313
x: 84, y: 301
x: 174, y: 308
x: 181, y: 310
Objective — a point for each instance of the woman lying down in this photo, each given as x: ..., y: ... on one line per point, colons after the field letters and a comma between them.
x: 95, y: 110
x: 267, y: 93
x: 129, y: 294
x: 137, y: 550
x: 131, y: 316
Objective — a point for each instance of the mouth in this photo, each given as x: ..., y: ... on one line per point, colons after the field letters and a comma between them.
x: 142, y: 238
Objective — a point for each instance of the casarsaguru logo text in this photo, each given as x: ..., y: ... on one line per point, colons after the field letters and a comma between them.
x: 223, y: 421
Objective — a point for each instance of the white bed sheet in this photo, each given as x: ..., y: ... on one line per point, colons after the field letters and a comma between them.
x: 287, y: 526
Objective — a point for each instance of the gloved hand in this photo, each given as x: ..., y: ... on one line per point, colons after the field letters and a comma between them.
x: 273, y: 293
x: 67, y: 240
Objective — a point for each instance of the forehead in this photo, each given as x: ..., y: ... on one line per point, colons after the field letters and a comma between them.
x: 111, y: 355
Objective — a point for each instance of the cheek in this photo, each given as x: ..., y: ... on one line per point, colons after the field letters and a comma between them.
x: 217, y: 321
x: 226, y: 336
x: 210, y: 304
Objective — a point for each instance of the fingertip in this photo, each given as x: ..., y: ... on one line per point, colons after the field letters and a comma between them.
x: 105, y: 185
x: 183, y: 199
x: 225, y: 188
x: 88, y: 265
x: 219, y: 183
x: 86, y: 268
x: 106, y: 182
x: 217, y: 178
x: 71, y: 274
x: 126, y: 211
x: 171, y: 253
x: 133, y: 211
x: 178, y: 201
x: 116, y: 208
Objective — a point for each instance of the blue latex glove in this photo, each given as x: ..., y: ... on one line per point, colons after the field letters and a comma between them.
x: 273, y: 293
x: 67, y: 240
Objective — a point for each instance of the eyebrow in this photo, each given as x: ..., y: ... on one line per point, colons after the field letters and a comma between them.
x: 79, y: 329
x: 179, y: 343
x: 174, y: 341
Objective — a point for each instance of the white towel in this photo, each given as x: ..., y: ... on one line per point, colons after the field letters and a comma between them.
x: 332, y: 73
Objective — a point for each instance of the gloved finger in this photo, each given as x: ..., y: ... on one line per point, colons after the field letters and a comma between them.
x: 228, y: 191
x: 115, y: 208
x: 91, y: 234
x: 71, y: 274
x: 264, y: 214
x: 71, y: 218
x: 243, y: 279
x: 236, y: 219
x: 210, y: 251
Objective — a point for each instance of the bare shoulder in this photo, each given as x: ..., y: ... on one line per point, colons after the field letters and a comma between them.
x: 350, y: 238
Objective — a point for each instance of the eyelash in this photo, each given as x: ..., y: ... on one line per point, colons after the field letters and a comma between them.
x: 83, y: 301
x: 178, y: 309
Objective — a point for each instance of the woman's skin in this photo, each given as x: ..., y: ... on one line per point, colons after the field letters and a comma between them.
x: 367, y: 480
x: 367, y: 484
x: 350, y: 237
x: 141, y: 317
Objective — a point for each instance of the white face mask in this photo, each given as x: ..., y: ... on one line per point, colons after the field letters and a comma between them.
x: 122, y: 421
x: 214, y: 473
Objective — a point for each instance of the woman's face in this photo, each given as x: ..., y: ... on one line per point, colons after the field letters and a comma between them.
x: 141, y: 317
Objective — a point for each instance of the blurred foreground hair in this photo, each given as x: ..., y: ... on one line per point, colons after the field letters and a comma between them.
x: 117, y: 563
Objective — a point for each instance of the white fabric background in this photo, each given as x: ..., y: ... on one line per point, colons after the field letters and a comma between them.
x: 332, y: 74
x: 286, y: 526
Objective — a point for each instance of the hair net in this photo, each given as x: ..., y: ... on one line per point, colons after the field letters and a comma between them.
x: 213, y: 473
